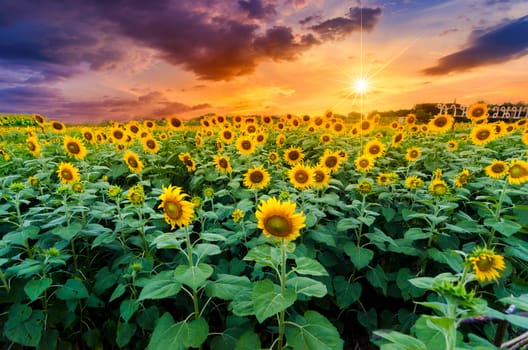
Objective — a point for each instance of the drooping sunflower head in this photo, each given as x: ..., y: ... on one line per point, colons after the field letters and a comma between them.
x: 397, y: 139
x: 364, y: 163
x: 301, y: 176
x: 438, y: 187
x: 374, y: 149
x: 413, y: 154
x: 74, y: 147
x: 481, y: 134
x: 477, y: 111
x: 413, y: 182
x: 78, y: 187
x: 518, y: 172
x: 39, y: 119
x: 245, y: 145
x: 364, y: 187
x: 441, y: 123
x: 33, y: 146
x: 486, y: 264
x: 321, y: 177
x: 132, y: 161
x: 136, y: 194
x: 387, y: 178
x: 150, y: 144
x: 279, y: 220
x: 293, y: 155
x: 256, y: 178
x: 497, y: 169
x: 223, y: 164
x: 462, y: 178
x: 67, y: 173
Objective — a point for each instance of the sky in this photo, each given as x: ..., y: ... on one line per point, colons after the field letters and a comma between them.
x: 87, y: 61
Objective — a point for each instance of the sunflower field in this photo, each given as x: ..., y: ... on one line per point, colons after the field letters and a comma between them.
x: 261, y: 232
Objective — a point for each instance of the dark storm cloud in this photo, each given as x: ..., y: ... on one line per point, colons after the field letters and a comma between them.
x: 279, y: 43
x: 496, y: 45
x: 339, y: 27
x: 256, y: 9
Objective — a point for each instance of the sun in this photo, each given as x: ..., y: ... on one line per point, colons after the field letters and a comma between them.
x: 361, y: 85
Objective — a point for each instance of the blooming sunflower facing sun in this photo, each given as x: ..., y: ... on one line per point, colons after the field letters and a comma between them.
x: 293, y: 155
x: 518, y: 172
x: 486, y: 264
x: 132, y: 161
x: 256, y: 178
x: 462, y: 178
x: 374, y: 149
x: 150, y: 144
x: 364, y: 163
x: 413, y: 154
x: 223, y: 164
x: 321, y: 177
x: 481, y: 134
x: 67, y: 173
x: 245, y: 145
x: 301, y: 176
x: 176, y: 210
x: 33, y: 146
x: 441, y: 123
x: 278, y: 219
x: 330, y: 160
x: 477, y: 111
x: 74, y: 147
x: 497, y: 169
x: 413, y: 182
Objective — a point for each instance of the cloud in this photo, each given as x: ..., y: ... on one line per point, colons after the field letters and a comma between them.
x: 256, y: 9
x: 339, y: 27
x: 494, y: 45
x: 279, y: 43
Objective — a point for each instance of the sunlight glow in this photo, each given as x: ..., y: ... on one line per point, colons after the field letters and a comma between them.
x: 361, y: 85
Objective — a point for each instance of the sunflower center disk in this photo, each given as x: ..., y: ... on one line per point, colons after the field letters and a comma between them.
x: 151, y: 144
x: 256, y: 177
x: 246, y: 145
x: 73, y: 148
x: 172, y: 210
x: 483, y: 135
x: 518, y: 172
x: 66, y: 175
x: 301, y: 177
x: 223, y: 163
x: 331, y: 162
x: 484, y: 263
x: 294, y: 155
x: 31, y: 146
x: 278, y: 226
x: 132, y: 162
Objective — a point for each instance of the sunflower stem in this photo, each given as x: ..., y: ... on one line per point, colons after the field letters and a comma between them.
x: 497, y: 213
x: 284, y: 245
x: 188, y: 247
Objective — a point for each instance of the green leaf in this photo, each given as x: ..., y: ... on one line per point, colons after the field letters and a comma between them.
x: 118, y: 291
x: 72, y: 290
x: 310, y: 220
x: 400, y: 339
x: 346, y: 293
x: 268, y: 299
x: 125, y: 332
x: 378, y: 278
x: 35, y: 288
x: 162, y: 285
x: 388, y: 213
x: 308, y: 266
x: 313, y: 332
x: 504, y: 226
x: 67, y: 232
x: 347, y: 224
x: 360, y: 257
x: 228, y: 287
x: 307, y: 286
x: 520, y: 302
x: 176, y: 336
x: 167, y: 240
x: 450, y: 258
x: 26, y: 331
x: 193, y: 276
x: 203, y: 250
x: 128, y: 308
x: 248, y: 341
x: 416, y: 233
x: 264, y: 255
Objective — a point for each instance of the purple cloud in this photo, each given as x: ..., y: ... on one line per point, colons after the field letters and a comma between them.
x: 256, y: 9
x: 493, y: 45
x: 339, y: 27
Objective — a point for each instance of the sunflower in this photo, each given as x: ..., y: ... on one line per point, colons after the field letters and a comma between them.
x: 374, y: 149
x: 441, y: 123
x: 251, y: 129
x: 518, y: 172
x: 74, y: 147
x: 462, y: 178
x: 39, y: 119
x: 486, y: 264
x: 281, y: 140
x: 149, y: 124
x: 136, y: 194
x: 132, y: 161
x: 176, y: 210
x: 364, y: 187
x: 227, y: 136
x: 68, y: 173
x: 413, y: 154
x: 321, y: 177
x: 477, y: 111
x: 186, y: 158
x: 482, y: 134
x: 223, y: 164
x: 133, y: 127
x: 317, y: 122
x: 438, y: 187
x: 245, y: 145
x: 33, y: 146
x: 301, y: 176
x: 293, y: 155
x: 117, y: 135
x: 279, y: 219
x: 237, y: 215
x: 330, y: 160
x: 413, y: 182
x: 256, y: 178
x: 273, y: 157
x: 267, y: 120
x: 364, y: 163
x: 452, y: 145
x: 88, y: 135
x: 114, y: 192
x: 260, y: 138
x: 325, y: 138
x: 410, y: 119
x: 78, y: 187
x: 57, y: 126
x: 366, y: 127
x: 150, y: 144
x: 397, y: 139
x: 387, y: 178
x: 338, y: 127
x: 175, y: 123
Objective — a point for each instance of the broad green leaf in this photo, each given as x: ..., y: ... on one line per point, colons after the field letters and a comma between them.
x: 193, y: 276
x: 307, y: 286
x: 248, y: 341
x: 313, y: 332
x: 347, y: 224
x: 128, y: 308
x: 308, y: 266
x: 228, y: 287
x: 72, y: 290
x: 310, y: 220
x: 181, y: 335
x: 450, y: 258
x: 520, y: 302
x: 67, y: 232
x: 125, y: 332
x: 346, y: 293
x: 162, y: 285
x: 35, y: 288
x: 416, y: 233
x: 264, y: 255
x: 27, y: 331
x: 378, y: 278
x: 268, y: 299
x: 504, y: 226
x: 203, y: 250
x: 404, y: 340
x: 360, y: 257
x: 104, y: 279
x: 118, y: 291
